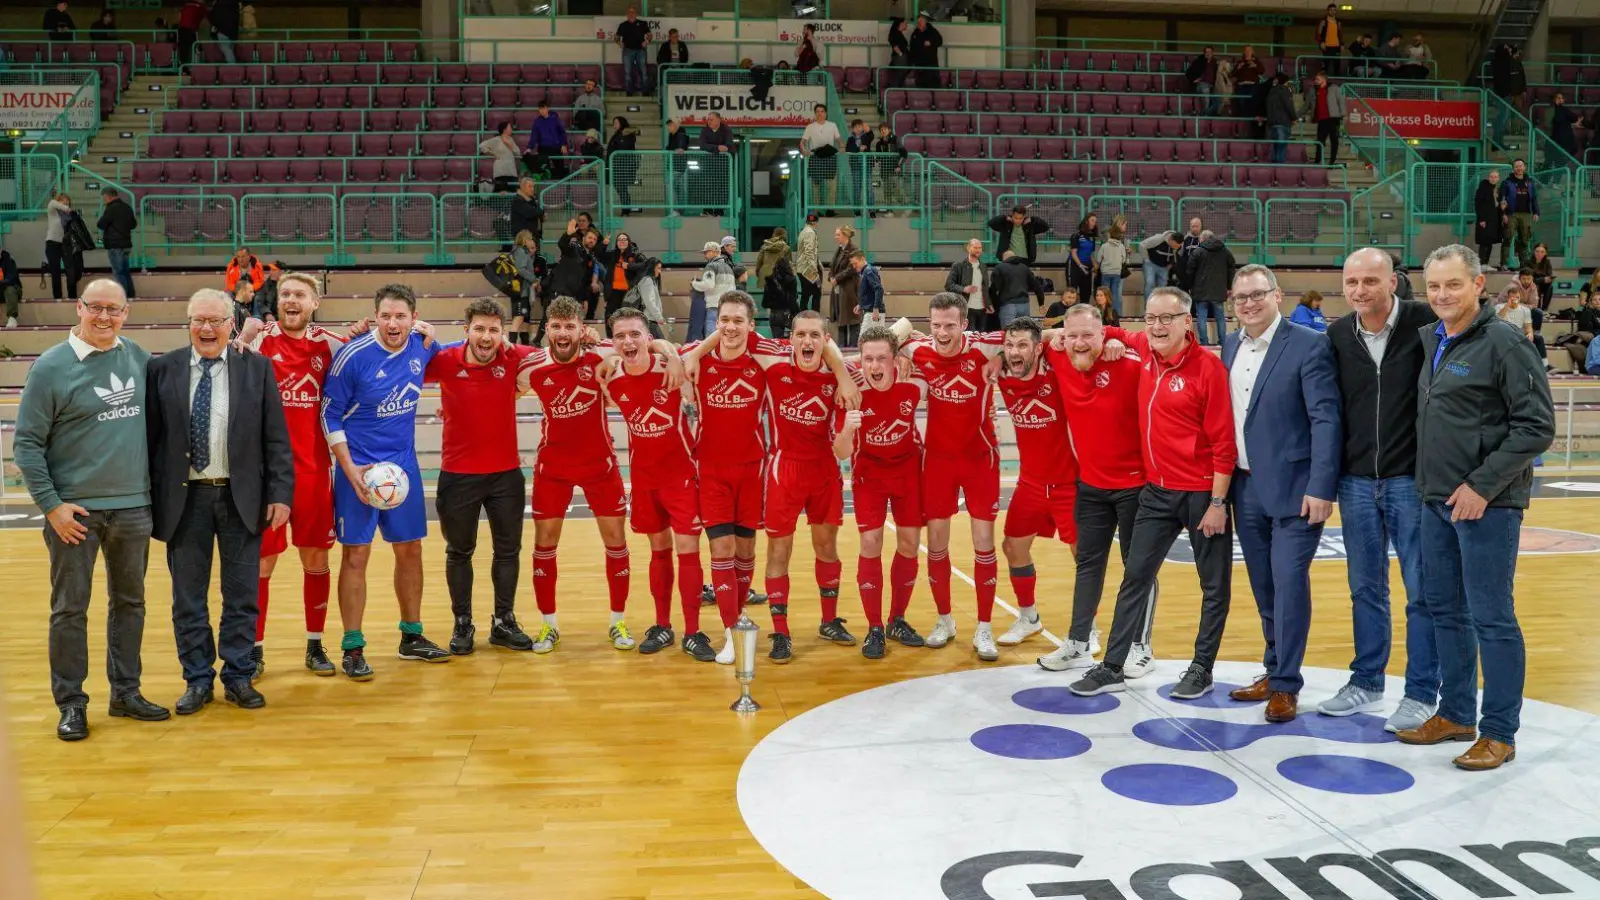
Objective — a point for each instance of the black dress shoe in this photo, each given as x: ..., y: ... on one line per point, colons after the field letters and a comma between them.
x: 135, y: 706
x: 244, y: 696
x: 195, y: 699
x: 74, y: 724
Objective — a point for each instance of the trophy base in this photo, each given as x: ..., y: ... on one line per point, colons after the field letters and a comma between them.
x: 745, y: 704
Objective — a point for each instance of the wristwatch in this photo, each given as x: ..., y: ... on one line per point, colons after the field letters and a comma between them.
x: 1219, y: 502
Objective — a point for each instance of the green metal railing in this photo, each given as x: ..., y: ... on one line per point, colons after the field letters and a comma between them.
x: 955, y: 210
x: 1380, y: 217
x: 1222, y: 48
x: 862, y: 186
x: 1300, y: 225
x: 673, y: 185
x: 1209, y: 151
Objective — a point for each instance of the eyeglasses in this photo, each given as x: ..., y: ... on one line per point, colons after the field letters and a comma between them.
x: 211, y: 323
x: 1252, y: 297
x: 110, y: 312
x: 1164, y: 320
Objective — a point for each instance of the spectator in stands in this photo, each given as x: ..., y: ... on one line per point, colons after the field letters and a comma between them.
x: 1363, y: 57
x: 970, y: 278
x: 190, y: 18
x: 225, y: 27
x: 1515, y: 311
x: 697, y: 293
x: 526, y: 213
x: 1108, y: 311
x: 530, y: 271
x: 1019, y: 233
x: 806, y: 57
x: 1202, y: 73
x: 774, y: 248
x: 243, y: 266
x: 1080, y: 256
x: 899, y: 51
x: 1211, y: 267
x: 890, y: 156
x: 1391, y: 57
x: 1509, y: 81
x: 1308, y: 312
x: 117, y: 224
x: 716, y: 137
x: 1591, y: 363
x: 505, y: 152
x: 547, y: 141
x: 1519, y: 203
x: 1280, y: 117
x: 1057, y: 311
x: 672, y: 53
x: 572, y: 275
x: 10, y: 287
x: 105, y: 27
x: 1418, y: 56
x: 846, y: 287
x: 1222, y: 91
x: 924, y: 43
x: 1180, y: 265
x: 1562, y: 121
x: 632, y: 36
x: 1325, y: 106
x: 58, y: 23
x: 1010, y: 285
x: 625, y: 168
x: 589, y: 109
x: 591, y: 146
x: 857, y: 147
x: 1590, y: 290
x: 870, y: 304
x: 808, y: 266
x: 646, y: 295
x: 729, y: 248
x: 1544, y: 278
x: 1111, y: 258
x: 1247, y: 72
x: 264, y: 305
x: 1330, y: 34
x: 624, y: 266
x: 1586, y: 324
x: 55, y: 223
x: 1402, y: 278
x: 776, y: 274
x: 820, y: 144
x: 1160, y: 249
x: 1490, y: 228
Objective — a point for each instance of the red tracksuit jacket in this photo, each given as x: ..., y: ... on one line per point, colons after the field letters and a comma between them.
x: 1185, y: 415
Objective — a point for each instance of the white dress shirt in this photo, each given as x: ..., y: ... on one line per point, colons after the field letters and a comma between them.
x: 218, y: 440
x: 1242, y: 380
x: 1378, y: 341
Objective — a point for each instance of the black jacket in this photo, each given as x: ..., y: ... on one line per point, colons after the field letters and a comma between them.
x: 925, y: 45
x: 710, y: 140
x: 59, y: 24
x: 569, y: 277
x: 1012, y: 281
x: 679, y: 141
x: 260, y: 464
x: 780, y: 293
x: 1210, y: 270
x: 959, y: 278
x: 1484, y: 415
x: 1002, y: 227
x: 225, y: 18
x: 526, y: 215
x: 10, y: 273
x: 117, y: 224
x: 626, y: 139
x: 634, y: 265
x: 1380, y: 399
x: 1280, y: 106
x: 664, y: 54
x: 1486, y: 210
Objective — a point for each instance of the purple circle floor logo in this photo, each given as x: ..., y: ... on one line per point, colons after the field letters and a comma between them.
x: 996, y: 784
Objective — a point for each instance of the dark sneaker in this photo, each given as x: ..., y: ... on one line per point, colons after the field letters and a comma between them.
x: 505, y: 632
x: 355, y: 665
x: 901, y: 630
x: 699, y: 646
x: 259, y: 657
x: 754, y: 599
x: 708, y: 595
x: 1101, y: 679
x: 461, y: 637
x: 834, y: 630
x: 1195, y: 683
x: 416, y: 647
x: 873, y: 646
x: 782, y: 649
x: 317, y: 660
x: 657, y: 639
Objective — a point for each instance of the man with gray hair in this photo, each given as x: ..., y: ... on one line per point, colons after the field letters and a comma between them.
x: 1484, y: 416
x: 80, y: 444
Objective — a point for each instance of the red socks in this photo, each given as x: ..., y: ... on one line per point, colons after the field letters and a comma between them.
x: 1022, y: 584
x: 869, y: 580
x: 544, y: 578
x: 725, y: 583
x: 939, y: 579
x: 261, y: 608
x: 746, y: 570
x: 986, y: 572
x: 315, y: 591
x: 690, y: 577
x: 778, y: 599
x: 828, y: 585
x: 661, y: 585
x: 903, y: 581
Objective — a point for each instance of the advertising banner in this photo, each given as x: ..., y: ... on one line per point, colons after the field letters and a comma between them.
x: 860, y: 32
x: 690, y: 104
x: 1440, y: 120
x: 26, y: 107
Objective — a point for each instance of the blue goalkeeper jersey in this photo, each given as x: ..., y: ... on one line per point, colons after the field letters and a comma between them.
x: 370, y: 399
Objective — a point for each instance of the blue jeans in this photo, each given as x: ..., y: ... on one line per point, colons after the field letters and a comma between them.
x: 1207, y: 90
x: 120, y: 269
x: 1154, y: 276
x: 1280, y: 143
x: 697, y: 317
x: 1113, y: 283
x: 1378, y: 513
x: 225, y: 44
x: 1010, y: 312
x: 1474, y: 616
x: 710, y: 321
x: 633, y: 71
x: 1205, y: 311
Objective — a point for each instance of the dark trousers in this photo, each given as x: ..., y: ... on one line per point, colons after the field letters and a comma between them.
x: 123, y: 536
x: 211, y: 522
x: 13, y: 298
x: 1484, y: 251
x: 1102, y: 515
x: 459, y: 501
x: 614, y: 299
x: 1328, y: 135
x: 779, y: 322
x: 977, y: 319
x: 810, y: 294
x: 186, y: 41
x: 927, y: 77
x: 1081, y: 280
x: 1162, y: 515
x: 56, y: 262
x: 1277, y: 556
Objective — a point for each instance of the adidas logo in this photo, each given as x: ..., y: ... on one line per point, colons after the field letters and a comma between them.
x: 461, y: 373
x: 869, y: 587
x: 538, y: 572
x: 277, y: 357
x: 989, y: 583
x: 623, y: 574
x: 549, y: 381
x: 119, y: 393
x: 379, y: 375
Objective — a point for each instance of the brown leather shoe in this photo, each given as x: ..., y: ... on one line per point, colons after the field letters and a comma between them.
x: 1255, y: 693
x: 1437, y: 730
x: 1486, y: 754
x: 1282, y: 706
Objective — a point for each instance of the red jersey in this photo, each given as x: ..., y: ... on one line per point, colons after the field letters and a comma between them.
x: 1039, y: 418
x: 800, y: 411
x: 731, y: 394
x: 960, y: 399
x: 888, y: 434
x: 1103, y: 418
x: 574, y: 435
x: 660, y: 440
x: 479, y: 408
x: 1185, y: 415
x: 300, y: 365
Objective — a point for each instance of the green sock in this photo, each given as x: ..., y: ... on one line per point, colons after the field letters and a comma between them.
x: 410, y: 627
x: 353, y: 641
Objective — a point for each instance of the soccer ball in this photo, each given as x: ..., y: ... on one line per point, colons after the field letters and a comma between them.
x: 388, y: 485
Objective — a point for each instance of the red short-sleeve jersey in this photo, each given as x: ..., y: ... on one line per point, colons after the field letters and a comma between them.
x: 660, y: 439
x: 960, y: 399
x: 888, y: 435
x: 300, y: 365
x: 479, y: 407
x: 731, y: 394
x: 574, y: 434
x: 800, y: 409
x: 1039, y: 418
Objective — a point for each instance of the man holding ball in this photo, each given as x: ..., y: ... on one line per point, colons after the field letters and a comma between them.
x: 369, y: 412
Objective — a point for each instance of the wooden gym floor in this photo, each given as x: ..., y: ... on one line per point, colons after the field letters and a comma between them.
x: 585, y: 774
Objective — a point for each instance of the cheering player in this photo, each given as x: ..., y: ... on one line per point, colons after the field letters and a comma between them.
x: 880, y: 439
x: 369, y: 411
x: 963, y: 458
x: 665, y: 490
x: 301, y: 354
x: 480, y: 472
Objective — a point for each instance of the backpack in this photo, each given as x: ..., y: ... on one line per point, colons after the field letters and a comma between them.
x: 501, y: 272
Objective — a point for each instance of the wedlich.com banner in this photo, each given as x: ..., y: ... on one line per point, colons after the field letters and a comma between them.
x: 1439, y: 120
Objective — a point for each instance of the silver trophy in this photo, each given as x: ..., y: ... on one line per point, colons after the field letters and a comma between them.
x: 745, y: 633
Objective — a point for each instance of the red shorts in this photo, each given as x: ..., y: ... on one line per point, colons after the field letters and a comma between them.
x: 1043, y: 510
x: 875, y: 492
x: 732, y: 495
x: 975, y: 477
x: 813, y: 486
x: 675, y: 506
x: 552, y: 494
x: 310, y: 515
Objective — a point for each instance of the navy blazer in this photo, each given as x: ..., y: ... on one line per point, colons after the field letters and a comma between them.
x: 1292, y: 431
